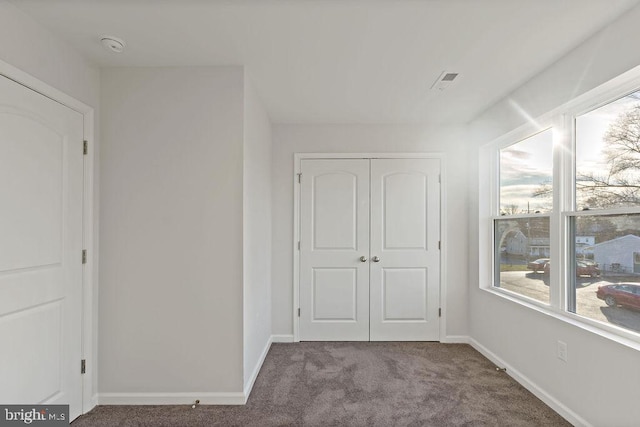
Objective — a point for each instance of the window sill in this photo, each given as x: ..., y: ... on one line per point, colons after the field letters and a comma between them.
x: 610, y: 332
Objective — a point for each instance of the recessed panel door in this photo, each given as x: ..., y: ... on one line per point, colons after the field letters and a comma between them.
x: 334, y: 250
x: 405, y: 258
x: 41, y: 188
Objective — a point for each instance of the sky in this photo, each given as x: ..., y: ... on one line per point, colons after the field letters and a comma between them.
x: 524, y: 166
x: 527, y: 164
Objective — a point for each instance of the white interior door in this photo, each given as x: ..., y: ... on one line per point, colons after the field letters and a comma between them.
x: 334, y: 235
x: 405, y: 233
x: 41, y: 184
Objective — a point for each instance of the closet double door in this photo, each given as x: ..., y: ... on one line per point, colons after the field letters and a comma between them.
x: 369, y: 249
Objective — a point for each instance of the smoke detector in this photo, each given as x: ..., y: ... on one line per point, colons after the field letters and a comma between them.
x: 445, y: 80
x: 112, y: 44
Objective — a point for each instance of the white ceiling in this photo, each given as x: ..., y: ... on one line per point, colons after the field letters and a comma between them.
x: 342, y: 61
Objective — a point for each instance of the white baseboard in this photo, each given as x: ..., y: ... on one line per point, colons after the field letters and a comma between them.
x: 281, y: 338
x: 171, y: 398
x: 449, y: 339
x: 541, y: 394
x: 455, y: 339
x: 252, y: 379
x: 208, y: 398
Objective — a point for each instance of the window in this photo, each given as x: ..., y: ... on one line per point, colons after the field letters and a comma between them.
x: 522, y: 238
x: 608, y: 155
x: 526, y: 175
x: 523, y: 252
x: 564, y: 212
x: 606, y: 218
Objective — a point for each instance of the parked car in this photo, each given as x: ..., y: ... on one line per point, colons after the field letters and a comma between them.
x: 582, y: 269
x: 537, y: 265
x: 587, y: 268
x: 625, y: 294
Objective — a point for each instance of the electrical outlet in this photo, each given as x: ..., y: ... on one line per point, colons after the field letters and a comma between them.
x: 562, y: 351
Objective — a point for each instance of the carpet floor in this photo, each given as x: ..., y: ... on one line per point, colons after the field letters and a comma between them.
x: 359, y: 384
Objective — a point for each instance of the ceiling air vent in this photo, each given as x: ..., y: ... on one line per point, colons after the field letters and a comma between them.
x: 444, y: 81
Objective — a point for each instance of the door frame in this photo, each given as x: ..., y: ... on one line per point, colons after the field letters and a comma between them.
x: 89, y: 280
x: 298, y: 157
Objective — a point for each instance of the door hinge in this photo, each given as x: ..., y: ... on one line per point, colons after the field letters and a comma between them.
x: 84, y: 256
x: 298, y: 312
x: 439, y: 312
x: 298, y: 244
x: 299, y: 178
x: 439, y: 244
x: 85, y: 147
x: 83, y: 366
x: 439, y: 179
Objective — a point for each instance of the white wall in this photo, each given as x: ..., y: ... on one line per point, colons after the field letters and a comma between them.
x: 600, y: 382
x: 28, y: 46
x: 171, y: 231
x: 602, y: 57
x: 257, y: 233
x: 289, y: 139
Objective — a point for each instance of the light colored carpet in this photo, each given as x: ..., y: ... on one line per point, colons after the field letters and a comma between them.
x: 360, y: 384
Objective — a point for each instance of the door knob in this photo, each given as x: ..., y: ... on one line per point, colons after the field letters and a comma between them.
x: 363, y: 258
x: 375, y: 259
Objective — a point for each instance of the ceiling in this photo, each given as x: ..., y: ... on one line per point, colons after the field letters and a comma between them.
x: 342, y: 61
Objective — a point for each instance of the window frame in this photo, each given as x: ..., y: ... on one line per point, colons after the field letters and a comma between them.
x: 562, y: 250
x: 528, y: 130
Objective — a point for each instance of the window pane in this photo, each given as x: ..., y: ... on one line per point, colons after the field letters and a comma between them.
x: 606, y: 283
x: 608, y: 155
x: 522, y: 252
x: 526, y: 175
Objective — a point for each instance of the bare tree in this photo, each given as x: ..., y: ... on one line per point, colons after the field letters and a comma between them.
x: 511, y: 209
x: 619, y: 184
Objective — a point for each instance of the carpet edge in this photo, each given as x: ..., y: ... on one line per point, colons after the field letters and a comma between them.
x: 536, y: 390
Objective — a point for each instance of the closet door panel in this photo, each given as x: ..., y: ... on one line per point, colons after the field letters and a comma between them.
x: 334, y: 235
x: 405, y: 255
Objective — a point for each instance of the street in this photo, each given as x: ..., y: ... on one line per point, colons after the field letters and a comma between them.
x: 536, y: 286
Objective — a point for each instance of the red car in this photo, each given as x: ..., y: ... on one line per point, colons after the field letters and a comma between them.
x: 537, y: 265
x: 587, y: 269
x: 625, y: 294
x: 582, y: 269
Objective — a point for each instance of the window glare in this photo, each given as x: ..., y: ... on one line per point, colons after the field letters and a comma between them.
x: 608, y: 155
x: 526, y: 175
